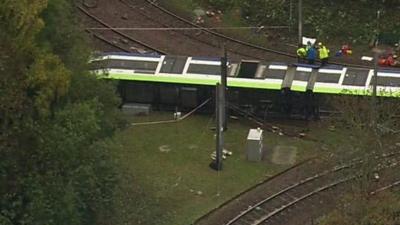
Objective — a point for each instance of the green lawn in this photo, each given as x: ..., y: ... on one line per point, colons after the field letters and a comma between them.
x: 163, y: 187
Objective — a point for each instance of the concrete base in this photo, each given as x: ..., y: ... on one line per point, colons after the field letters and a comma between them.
x: 136, y: 109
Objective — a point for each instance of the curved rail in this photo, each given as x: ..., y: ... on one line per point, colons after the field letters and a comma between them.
x: 219, y: 34
x: 243, y: 42
x: 318, y: 190
x: 301, y: 183
x: 107, y: 41
x: 194, y: 38
x: 119, y: 32
x: 392, y: 185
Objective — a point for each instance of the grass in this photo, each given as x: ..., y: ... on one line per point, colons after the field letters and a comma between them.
x: 164, y: 187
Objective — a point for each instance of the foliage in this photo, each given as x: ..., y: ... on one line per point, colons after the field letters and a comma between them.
x: 53, y: 114
x: 358, y: 209
x: 220, y: 4
x: 373, y: 125
x: 263, y: 12
x: 353, y: 22
x: 373, y: 128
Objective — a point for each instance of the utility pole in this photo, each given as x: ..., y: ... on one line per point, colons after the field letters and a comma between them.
x: 217, y: 163
x: 375, y: 77
x: 290, y: 15
x: 376, y: 57
x: 377, y: 52
x: 224, y: 81
x: 220, y: 112
x: 300, y: 22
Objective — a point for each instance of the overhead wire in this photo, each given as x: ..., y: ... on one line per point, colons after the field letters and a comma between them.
x: 187, y: 28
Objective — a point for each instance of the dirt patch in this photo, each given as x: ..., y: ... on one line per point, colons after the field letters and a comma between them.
x: 284, y: 155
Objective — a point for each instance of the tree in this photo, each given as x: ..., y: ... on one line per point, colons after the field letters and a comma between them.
x: 372, y: 128
x: 55, y: 167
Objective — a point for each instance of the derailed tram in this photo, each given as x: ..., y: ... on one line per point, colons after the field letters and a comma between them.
x: 260, y: 88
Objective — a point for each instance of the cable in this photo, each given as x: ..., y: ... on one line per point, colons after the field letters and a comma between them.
x: 173, y: 121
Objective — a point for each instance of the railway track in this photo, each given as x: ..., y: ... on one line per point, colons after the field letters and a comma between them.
x: 270, y: 209
x: 236, y: 45
x: 202, y: 34
x: 129, y: 41
x: 239, y: 49
x: 118, y: 15
x: 217, y: 45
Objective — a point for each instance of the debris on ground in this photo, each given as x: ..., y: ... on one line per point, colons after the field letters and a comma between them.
x: 376, y: 176
x: 164, y: 148
x: 193, y: 147
x: 301, y: 135
x: 234, y: 117
x: 210, y: 13
x: 324, y: 147
x: 225, y: 153
x: 275, y: 128
x: 199, y: 20
x: 125, y: 16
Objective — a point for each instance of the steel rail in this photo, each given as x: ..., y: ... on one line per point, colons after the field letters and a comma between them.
x: 107, y: 41
x: 302, y: 182
x: 392, y: 185
x: 243, y: 42
x: 219, y: 34
x: 200, y: 40
x: 316, y: 191
x: 119, y: 32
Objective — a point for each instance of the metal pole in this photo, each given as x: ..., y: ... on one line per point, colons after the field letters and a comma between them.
x: 300, y: 21
x: 219, y: 136
x: 375, y: 77
x: 290, y: 15
x: 376, y: 58
x: 224, y: 75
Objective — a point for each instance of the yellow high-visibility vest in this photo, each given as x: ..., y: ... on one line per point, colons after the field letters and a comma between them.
x: 301, y: 52
x: 323, y: 52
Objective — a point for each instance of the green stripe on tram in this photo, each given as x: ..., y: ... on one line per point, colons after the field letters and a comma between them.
x: 191, y: 80
x: 327, y: 90
x: 240, y: 83
x: 257, y: 85
x: 300, y: 88
x: 163, y: 79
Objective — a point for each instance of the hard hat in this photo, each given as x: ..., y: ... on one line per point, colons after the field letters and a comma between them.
x: 320, y: 43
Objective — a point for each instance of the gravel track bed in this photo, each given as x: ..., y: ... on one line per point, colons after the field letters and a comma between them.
x: 230, y: 210
x: 118, y: 14
x: 235, y: 50
x: 303, y: 212
x: 111, y: 40
x: 273, y: 45
x: 140, y: 13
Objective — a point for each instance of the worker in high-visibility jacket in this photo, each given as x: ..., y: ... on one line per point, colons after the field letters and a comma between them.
x: 323, y: 54
x: 301, y: 54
